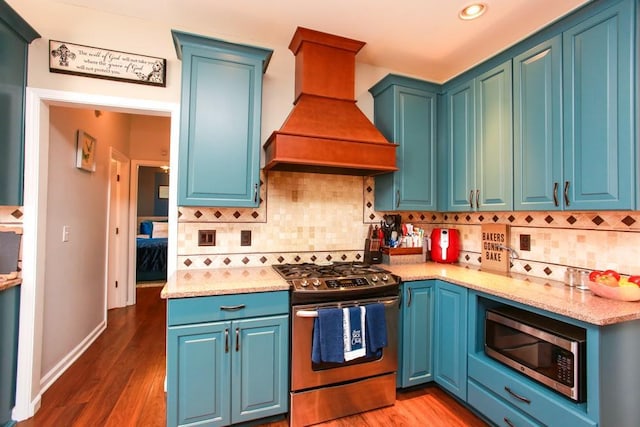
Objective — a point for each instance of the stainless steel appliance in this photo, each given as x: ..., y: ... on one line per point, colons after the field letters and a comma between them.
x: 324, y: 391
x: 547, y: 350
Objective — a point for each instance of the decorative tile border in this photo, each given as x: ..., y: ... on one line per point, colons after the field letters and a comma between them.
x: 11, y: 215
x: 255, y: 260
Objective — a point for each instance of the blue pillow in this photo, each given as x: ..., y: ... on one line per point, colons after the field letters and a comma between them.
x: 146, y: 227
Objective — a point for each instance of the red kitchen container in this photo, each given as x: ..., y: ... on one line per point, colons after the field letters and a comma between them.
x: 445, y: 245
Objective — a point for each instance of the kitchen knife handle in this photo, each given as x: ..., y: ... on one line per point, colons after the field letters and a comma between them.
x: 226, y: 340
x: 555, y: 194
x: 397, y: 198
x: 566, y: 193
x: 237, y: 340
x: 477, y: 199
x: 255, y: 193
x: 471, y: 199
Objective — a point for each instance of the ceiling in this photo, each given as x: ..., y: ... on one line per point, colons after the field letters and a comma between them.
x: 423, y: 38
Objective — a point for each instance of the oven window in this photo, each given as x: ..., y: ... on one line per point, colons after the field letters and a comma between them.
x: 539, y: 355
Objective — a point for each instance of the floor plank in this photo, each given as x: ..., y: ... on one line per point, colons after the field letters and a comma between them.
x: 119, y: 381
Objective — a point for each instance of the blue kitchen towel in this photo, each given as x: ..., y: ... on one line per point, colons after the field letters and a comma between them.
x: 327, y: 343
x: 376, y: 329
x: 354, y: 333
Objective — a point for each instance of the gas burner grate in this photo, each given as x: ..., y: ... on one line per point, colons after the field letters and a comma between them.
x: 339, y: 269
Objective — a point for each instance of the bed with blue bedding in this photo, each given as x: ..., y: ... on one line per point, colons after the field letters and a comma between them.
x: 151, y: 252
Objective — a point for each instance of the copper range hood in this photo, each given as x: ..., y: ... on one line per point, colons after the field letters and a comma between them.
x: 326, y: 132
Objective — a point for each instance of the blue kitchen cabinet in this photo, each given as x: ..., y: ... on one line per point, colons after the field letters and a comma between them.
x: 405, y: 112
x: 450, y: 343
x: 537, y: 127
x: 479, y: 142
x: 227, y: 358
x: 416, y: 347
x: 15, y: 36
x: 599, y: 57
x: 9, y: 321
x: 220, y: 116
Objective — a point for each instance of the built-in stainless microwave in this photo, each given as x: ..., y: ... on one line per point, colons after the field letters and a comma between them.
x: 547, y: 350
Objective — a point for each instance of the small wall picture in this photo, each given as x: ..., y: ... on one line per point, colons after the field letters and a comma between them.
x: 86, y: 151
x: 163, y: 192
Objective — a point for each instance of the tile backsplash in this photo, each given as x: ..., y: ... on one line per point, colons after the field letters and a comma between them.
x: 314, y: 217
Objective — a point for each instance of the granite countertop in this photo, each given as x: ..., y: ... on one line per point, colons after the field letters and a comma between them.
x: 9, y: 283
x: 544, y: 294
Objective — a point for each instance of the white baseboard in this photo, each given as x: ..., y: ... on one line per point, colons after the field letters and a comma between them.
x: 50, y: 377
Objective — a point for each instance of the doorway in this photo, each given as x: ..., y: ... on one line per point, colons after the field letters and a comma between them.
x: 29, y: 385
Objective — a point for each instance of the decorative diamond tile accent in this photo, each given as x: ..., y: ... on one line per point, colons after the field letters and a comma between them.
x: 17, y: 214
x: 467, y: 257
x: 237, y: 214
x: 548, y: 219
x: 280, y: 259
x: 198, y: 214
x: 479, y: 260
x: 313, y: 258
x: 369, y: 189
x: 456, y: 217
x: 495, y: 218
x: 297, y: 258
x: 179, y: 214
x: 187, y: 262
x: 369, y: 205
x: 547, y: 271
x: 433, y: 217
x: 218, y: 214
x: 372, y: 217
x: 328, y: 258
x: 255, y: 214
x: 527, y: 267
x: 245, y: 260
x: 344, y: 257
x: 468, y: 218
x: 446, y: 217
x: 411, y: 217
x: 358, y: 256
x: 511, y: 218
x: 628, y: 221
x: 227, y: 261
x: 207, y: 262
x: 422, y: 217
x: 481, y: 218
x: 263, y: 259
x: 597, y: 220
x: 572, y: 219
x: 529, y: 219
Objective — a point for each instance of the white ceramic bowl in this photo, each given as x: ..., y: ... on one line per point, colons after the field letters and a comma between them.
x: 620, y: 293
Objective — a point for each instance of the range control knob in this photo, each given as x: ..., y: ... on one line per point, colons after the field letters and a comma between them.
x: 304, y: 283
x: 374, y: 278
x: 315, y: 283
x: 385, y: 277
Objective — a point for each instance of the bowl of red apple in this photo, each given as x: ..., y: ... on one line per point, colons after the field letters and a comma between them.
x: 610, y: 284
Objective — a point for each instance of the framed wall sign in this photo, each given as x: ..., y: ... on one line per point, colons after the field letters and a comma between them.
x: 163, y: 192
x: 76, y: 59
x: 85, y: 151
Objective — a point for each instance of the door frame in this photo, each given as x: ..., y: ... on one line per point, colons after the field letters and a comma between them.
x: 28, y: 387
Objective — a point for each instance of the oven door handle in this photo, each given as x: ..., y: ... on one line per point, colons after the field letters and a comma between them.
x: 314, y: 313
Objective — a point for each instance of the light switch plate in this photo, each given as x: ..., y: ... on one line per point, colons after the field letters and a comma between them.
x: 245, y: 238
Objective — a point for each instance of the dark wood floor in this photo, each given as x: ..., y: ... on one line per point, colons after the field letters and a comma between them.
x: 119, y: 381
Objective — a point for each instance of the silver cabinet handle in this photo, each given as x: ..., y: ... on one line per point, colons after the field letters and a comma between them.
x: 397, y: 198
x: 471, y: 199
x: 555, y: 194
x: 410, y: 298
x: 226, y: 340
x: 566, y: 193
x: 517, y: 396
x: 255, y: 193
x: 232, y: 307
x: 237, y: 340
x: 508, y: 423
x: 478, y: 199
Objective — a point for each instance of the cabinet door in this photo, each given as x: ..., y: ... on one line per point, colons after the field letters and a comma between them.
x: 537, y: 115
x: 9, y: 320
x: 450, y: 347
x: 260, y: 368
x: 461, y: 154
x: 417, y: 331
x: 219, y: 154
x: 494, y: 139
x: 599, y: 143
x: 198, y: 375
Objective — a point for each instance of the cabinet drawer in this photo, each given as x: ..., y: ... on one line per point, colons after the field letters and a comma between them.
x: 181, y: 311
x: 541, y: 403
x: 496, y: 409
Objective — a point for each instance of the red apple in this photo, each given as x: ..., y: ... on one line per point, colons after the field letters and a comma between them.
x: 612, y: 273
x: 635, y: 279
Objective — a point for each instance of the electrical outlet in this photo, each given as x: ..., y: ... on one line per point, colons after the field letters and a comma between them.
x: 525, y: 242
x: 206, y: 237
x: 245, y: 238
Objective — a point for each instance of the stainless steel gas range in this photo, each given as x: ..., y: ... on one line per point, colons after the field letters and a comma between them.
x: 322, y: 391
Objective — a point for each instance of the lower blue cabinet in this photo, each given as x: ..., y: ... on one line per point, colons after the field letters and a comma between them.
x: 226, y: 372
x: 450, y: 344
x: 9, y: 325
x: 416, y: 334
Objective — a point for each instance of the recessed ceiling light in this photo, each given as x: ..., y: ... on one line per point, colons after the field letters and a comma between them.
x: 472, y: 11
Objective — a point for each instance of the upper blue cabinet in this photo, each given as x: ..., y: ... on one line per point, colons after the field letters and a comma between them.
x: 405, y: 111
x: 221, y: 104
x: 15, y: 36
x: 599, y: 135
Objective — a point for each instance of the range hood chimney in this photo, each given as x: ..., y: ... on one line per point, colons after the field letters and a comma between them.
x: 326, y: 132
